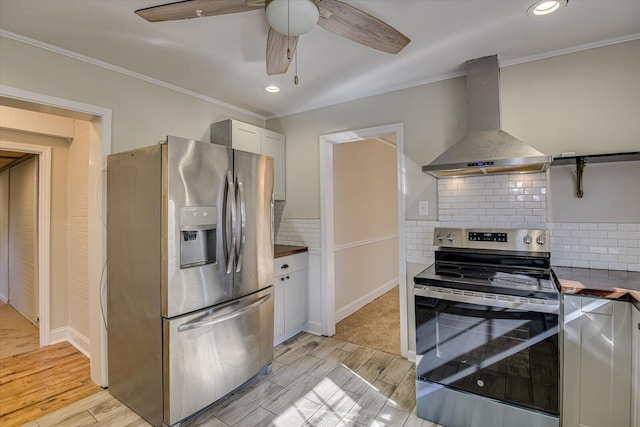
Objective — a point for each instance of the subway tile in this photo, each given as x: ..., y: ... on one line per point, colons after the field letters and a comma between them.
x: 618, y: 250
x: 607, y: 242
x: 607, y: 227
x: 580, y: 264
x: 628, y: 227
x: 599, y: 264
x: 618, y: 266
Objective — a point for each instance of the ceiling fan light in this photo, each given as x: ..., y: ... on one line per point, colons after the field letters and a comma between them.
x: 292, y: 17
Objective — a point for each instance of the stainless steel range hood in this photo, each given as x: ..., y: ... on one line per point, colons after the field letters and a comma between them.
x: 486, y: 149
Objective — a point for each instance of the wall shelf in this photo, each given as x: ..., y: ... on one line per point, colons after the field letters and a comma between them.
x: 582, y: 161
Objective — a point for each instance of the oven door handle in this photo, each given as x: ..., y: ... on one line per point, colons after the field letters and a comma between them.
x: 491, y: 300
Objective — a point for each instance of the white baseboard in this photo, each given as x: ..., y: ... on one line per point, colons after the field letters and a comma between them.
x: 312, y: 327
x: 364, y: 300
x: 4, y: 299
x: 411, y: 355
x: 75, y: 338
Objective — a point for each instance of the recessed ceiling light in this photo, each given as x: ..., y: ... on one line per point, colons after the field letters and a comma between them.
x: 545, y: 7
x: 272, y: 89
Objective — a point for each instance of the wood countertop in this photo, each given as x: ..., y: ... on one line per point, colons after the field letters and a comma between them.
x: 285, y: 250
x: 611, y: 284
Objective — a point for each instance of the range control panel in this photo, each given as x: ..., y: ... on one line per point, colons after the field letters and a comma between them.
x: 477, y: 236
x: 503, y: 239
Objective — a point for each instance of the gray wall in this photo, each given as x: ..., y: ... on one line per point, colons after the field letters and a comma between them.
x: 587, y: 102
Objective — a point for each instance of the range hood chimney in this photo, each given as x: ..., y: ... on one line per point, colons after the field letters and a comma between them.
x: 486, y: 149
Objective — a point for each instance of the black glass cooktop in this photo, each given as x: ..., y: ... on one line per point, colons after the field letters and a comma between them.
x: 494, y: 272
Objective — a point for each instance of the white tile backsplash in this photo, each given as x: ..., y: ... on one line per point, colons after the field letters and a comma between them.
x: 501, y: 201
x: 520, y: 201
x: 596, y: 245
x: 299, y: 232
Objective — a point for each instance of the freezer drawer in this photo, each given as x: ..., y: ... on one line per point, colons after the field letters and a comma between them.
x: 211, y: 352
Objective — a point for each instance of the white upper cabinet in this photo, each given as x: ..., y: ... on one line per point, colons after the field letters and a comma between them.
x: 246, y: 137
x: 273, y: 145
x: 254, y: 139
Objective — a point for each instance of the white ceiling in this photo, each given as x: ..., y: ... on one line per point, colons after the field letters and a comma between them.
x: 223, y: 57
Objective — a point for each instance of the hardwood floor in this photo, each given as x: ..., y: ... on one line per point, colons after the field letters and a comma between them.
x: 17, y: 334
x: 315, y: 381
x: 42, y: 381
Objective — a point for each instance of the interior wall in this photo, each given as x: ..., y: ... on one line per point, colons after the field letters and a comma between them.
x: 585, y: 102
x: 59, y: 288
x: 77, y: 227
x: 142, y: 112
x: 365, y: 222
x: 4, y: 236
x: 611, y: 193
x: 23, y: 242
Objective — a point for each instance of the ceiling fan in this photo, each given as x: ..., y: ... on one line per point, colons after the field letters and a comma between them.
x: 288, y: 19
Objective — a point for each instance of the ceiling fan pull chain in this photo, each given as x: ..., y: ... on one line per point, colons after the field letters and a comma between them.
x: 295, y: 78
x: 288, y: 39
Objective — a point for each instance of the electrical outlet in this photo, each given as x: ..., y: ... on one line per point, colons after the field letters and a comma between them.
x: 423, y: 208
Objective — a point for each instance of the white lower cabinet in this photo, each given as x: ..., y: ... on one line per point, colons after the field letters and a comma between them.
x: 635, y: 362
x: 597, y: 363
x: 290, y: 303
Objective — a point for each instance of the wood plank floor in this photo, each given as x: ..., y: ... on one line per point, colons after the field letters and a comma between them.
x: 17, y: 334
x: 315, y: 381
x: 42, y: 381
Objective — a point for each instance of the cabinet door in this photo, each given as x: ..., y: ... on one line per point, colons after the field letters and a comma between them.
x: 245, y: 137
x: 295, y: 301
x: 273, y: 145
x: 278, y: 308
x: 597, y: 361
x: 635, y: 351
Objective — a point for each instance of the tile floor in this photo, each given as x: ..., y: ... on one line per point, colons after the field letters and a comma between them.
x: 315, y: 381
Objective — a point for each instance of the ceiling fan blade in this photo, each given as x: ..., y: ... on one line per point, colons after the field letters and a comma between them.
x: 360, y: 27
x: 277, y: 45
x: 196, y: 9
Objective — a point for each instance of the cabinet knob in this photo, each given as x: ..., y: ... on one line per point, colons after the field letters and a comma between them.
x: 282, y: 279
x: 287, y: 277
x: 284, y: 266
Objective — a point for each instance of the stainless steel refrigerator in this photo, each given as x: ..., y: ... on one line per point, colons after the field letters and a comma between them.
x: 189, y: 275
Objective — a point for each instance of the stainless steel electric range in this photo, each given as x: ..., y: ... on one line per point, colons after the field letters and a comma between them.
x: 487, y: 330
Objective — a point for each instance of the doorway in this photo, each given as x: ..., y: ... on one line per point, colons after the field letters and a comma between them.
x: 328, y: 226
x: 42, y: 223
x: 100, y: 147
x: 19, y: 314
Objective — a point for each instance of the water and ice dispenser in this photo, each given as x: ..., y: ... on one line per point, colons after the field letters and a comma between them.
x: 197, y: 236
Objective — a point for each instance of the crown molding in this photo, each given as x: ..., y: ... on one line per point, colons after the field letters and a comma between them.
x: 121, y: 70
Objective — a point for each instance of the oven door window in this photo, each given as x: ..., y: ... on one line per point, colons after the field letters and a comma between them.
x: 504, y: 354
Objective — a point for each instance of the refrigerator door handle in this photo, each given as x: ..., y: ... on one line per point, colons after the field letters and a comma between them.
x: 242, y: 207
x: 230, y: 220
x: 213, y: 319
x: 272, y: 219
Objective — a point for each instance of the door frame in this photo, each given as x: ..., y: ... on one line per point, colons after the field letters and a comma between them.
x: 43, y: 233
x: 327, y: 243
x: 101, y: 119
